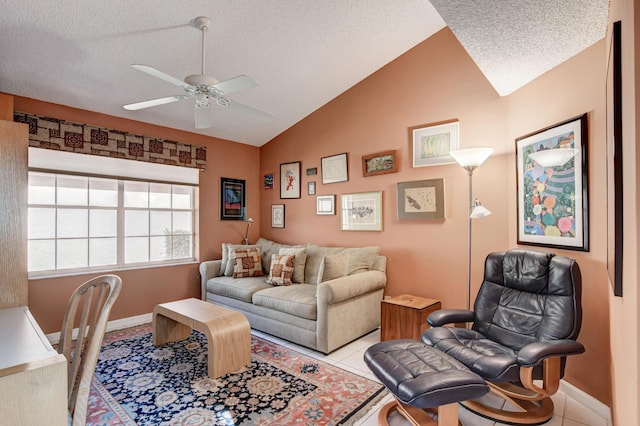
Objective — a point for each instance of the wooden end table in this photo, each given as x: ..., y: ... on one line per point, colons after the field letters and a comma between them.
x: 228, y: 332
x: 405, y: 316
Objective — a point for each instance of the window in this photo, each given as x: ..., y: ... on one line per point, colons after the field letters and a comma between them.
x: 86, y: 223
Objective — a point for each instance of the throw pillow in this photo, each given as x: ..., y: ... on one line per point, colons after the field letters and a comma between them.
x: 228, y: 271
x: 247, y: 263
x: 361, y: 259
x: 225, y: 258
x: 281, y: 269
x: 301, y: 256
x: 334, y: 266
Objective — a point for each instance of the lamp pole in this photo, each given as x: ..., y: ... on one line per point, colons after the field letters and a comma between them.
x: 469, y: 204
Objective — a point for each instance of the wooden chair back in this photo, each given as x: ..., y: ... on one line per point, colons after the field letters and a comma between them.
x: 87, y: 310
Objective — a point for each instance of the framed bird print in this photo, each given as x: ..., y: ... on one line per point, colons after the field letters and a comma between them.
x: 421, y: 199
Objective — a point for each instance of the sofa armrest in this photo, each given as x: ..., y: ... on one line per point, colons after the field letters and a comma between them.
x: 208, y: 269
x: 350, y: 286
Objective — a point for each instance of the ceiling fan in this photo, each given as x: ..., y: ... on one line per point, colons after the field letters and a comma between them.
x: 204, y: 88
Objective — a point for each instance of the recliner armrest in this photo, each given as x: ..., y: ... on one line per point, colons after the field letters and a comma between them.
x: 534, y: 353
x: 450, y: 316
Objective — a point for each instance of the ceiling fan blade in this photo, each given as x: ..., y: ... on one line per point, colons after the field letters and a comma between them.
x: 154, y: 102
x: 203, y: 117
x: 249, y: 110
x: 236, y: 84
x: 159, y: 74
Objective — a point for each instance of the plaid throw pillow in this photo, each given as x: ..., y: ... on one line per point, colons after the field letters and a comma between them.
x: 281, y: 270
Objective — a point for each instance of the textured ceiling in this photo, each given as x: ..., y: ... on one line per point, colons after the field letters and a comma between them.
x: 303, y: 53
x: 515, y: 41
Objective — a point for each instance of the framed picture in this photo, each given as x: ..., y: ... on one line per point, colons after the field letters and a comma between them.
x: 312, y: 171
x: 614, y: 161
x: 361, y: 211
x: 551, y: 168
x: 232, y: 202
x: 277, y: 215
x: 334, y: 169
x: 421, y: 199
x: 432, y: 143
x: 290, y: 180
x: 268, y: 181
x: 311, y: 188
x: 326, y: 205
x: 379, y: 163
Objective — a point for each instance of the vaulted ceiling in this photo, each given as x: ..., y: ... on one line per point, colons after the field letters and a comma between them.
x: 302, y: 54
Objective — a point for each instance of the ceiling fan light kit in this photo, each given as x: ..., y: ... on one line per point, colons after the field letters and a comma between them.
x: 202, y: 87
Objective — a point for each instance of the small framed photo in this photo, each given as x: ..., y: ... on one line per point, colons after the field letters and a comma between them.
x: 232, y: 199
x: 379, y: 163
x: 421, y: 199
x: 290, y: 180
x: 312, y: 171
x: 432, y: 143
x: 268, y: 181
x: 311, y: 188
x: 335, y: 169
x: 277, y: 215
x: 326, y: 205
x: 361, y: 211
x: 551, y: 171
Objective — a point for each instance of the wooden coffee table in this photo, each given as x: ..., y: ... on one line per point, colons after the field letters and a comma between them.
x: 228, y: 332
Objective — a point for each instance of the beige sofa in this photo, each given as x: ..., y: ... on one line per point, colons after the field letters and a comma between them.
x: 334, y: 298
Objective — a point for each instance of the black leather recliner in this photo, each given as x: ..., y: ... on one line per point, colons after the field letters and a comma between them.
x: 525, y: 321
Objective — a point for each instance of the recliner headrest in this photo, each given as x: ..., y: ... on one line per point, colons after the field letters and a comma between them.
x: 526, y: 270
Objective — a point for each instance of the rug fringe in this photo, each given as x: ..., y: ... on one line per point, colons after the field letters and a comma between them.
x: 365, y: 408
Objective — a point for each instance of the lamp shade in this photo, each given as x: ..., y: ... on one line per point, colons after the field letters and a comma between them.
x: 553, y: 157
x: 478, y: 211
x: 472, y: 157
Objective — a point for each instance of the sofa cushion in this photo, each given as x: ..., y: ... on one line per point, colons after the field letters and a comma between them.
x: 298, y: 300
x: 247, y: 263
x: 300, y: 253
x: 315, y: 258
x: 228, y: 270
x: 270, y: 248
x: 334, y: 266
x: 281, y: 269
x: 361, y: 259
x: 236, y: 289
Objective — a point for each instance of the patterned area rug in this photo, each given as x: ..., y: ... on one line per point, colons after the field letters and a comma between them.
x: 137, y: 383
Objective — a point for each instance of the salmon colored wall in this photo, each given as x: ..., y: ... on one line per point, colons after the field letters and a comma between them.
x: 625, y: 318
x: 437, y: 81
x: 580, y: 81
x: 425, y: 257
x: 144, y: 288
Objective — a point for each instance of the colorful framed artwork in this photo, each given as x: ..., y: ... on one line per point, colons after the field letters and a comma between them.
x: 615, y: 183
x: 232, y: 199
x: 335, y: 169
x: 432, y: 143
x: 326, y: 205
x: 268, y: 181
x: 551, y: 169
x: 379, y: 163
x: 290, y: 180
x: 361, y: 211
x: 421, y: 199
x: 277, y: 215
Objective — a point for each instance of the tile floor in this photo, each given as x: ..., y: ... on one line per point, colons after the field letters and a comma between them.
x: 568, y: 412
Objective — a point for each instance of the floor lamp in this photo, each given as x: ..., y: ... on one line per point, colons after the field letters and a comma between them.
x: 470, y: 159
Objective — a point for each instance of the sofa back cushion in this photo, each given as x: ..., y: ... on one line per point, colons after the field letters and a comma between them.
x: 334, y: 266
x: 315, y: 259
x: 301, y: 258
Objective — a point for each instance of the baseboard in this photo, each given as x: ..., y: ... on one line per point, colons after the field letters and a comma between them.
x: 587, y: 400
x: 118, y: 324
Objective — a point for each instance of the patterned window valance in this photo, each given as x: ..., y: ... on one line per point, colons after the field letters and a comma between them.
x: 61, y: 135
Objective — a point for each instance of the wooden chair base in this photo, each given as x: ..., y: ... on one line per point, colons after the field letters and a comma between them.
x: 529, y: 412
x: 447, y: 415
